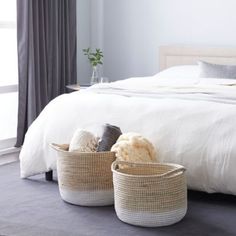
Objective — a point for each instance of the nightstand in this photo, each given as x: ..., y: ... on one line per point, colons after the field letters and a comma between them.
x: 77, y: 87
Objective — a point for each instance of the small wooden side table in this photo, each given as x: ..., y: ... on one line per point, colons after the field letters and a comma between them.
x: 77, y: 87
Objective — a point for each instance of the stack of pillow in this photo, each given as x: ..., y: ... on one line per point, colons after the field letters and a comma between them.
x: 130, y: 147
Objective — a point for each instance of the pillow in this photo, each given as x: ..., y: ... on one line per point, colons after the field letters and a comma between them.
x: 184, y: 71
x: 209, y: 70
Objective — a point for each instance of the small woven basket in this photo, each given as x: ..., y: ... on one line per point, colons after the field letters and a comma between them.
x: 85, y: 178
x: 149, y: 194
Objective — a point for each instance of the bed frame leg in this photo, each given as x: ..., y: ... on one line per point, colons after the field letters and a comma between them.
x: 49, y: 175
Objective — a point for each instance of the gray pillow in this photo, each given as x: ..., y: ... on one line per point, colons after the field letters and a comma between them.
x: 209, y: 70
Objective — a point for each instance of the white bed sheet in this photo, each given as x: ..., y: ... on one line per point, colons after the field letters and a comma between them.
x: 189, y: 123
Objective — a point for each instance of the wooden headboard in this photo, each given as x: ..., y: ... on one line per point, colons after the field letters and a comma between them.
x: 185, y: 55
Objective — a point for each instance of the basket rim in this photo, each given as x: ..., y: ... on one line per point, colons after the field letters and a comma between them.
x: 58, y: 148
x: 179, y: 168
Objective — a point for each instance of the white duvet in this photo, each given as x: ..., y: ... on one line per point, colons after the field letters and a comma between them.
x: 190, y: 123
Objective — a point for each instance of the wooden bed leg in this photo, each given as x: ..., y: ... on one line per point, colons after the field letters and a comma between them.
x: 49, y: 175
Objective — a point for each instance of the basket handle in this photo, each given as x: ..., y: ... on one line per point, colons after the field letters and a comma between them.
x: 168, y: 174
x: 58, y: 147
x: 115, y: 164
x: 175, y: 171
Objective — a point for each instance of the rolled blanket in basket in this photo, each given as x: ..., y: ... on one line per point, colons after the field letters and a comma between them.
x: 109, y: 137
x: 83, y: 141
x: 134, y: 147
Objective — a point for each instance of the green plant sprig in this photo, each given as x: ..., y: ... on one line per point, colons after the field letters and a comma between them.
x: 94, y: 58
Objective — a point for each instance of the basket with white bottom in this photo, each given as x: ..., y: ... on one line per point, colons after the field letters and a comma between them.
x: 85, y: 178
x: 149, y: 194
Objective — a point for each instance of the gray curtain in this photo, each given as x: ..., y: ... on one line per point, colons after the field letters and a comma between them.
x: 46, y: 35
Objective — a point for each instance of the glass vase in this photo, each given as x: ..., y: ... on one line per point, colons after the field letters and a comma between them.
x: 94, y: 77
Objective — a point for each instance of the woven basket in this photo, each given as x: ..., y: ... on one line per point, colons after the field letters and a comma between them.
x: 85, y: 178
x: 149, y: 194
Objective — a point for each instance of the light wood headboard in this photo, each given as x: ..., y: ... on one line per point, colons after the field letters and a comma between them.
x: 185, y: 55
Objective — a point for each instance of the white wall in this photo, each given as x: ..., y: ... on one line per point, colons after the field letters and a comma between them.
x: 97, y: 27
x: 130, y: 35
x: 202, y: 22
x: 89, y: 34
x: 131, y: 31
x: 83, y: 39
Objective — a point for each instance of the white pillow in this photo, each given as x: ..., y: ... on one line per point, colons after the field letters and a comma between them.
x: 185, y: 71
x: 186, y: 75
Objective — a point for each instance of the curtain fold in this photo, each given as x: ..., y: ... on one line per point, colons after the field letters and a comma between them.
x: 46, y: 37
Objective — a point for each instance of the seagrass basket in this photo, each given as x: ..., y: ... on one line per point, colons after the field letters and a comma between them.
x: 85, y: 178
x: 149, y: 194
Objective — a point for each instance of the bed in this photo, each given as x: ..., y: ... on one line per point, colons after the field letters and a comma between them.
x: 190, y: 122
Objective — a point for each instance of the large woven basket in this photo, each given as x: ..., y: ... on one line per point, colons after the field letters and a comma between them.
x: 149, y: 194
x: 85, y: 178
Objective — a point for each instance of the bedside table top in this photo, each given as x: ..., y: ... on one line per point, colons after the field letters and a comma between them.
x: 77, y: 87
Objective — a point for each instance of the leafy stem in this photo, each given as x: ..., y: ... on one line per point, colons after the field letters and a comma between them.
x: 94, y: 58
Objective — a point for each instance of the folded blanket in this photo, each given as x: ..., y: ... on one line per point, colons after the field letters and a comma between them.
x: 109, y: 137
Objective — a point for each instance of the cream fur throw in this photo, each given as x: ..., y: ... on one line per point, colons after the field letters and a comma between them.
x: 134, y: 147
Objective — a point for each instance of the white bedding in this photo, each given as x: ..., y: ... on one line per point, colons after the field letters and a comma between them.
x: 190, y: 123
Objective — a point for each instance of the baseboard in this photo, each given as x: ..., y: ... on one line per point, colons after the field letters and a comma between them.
x: 9, y: 155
